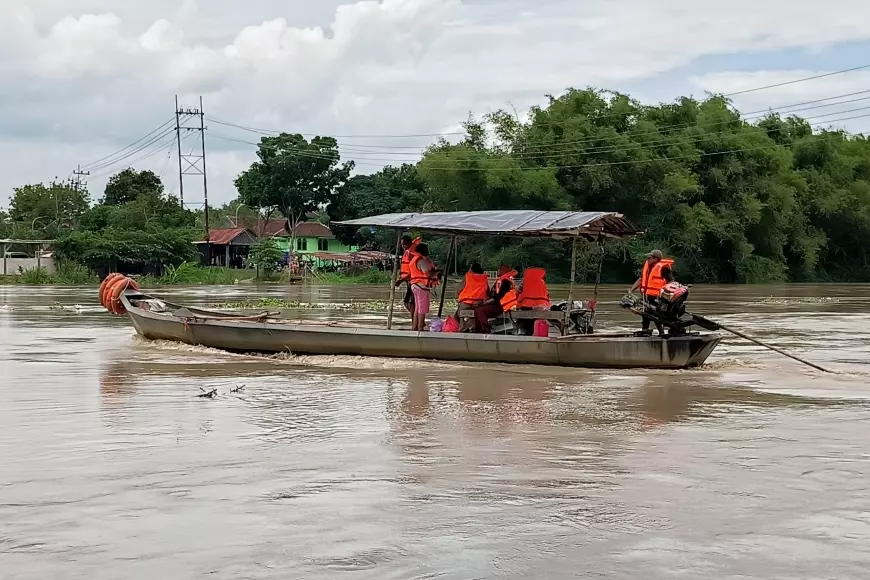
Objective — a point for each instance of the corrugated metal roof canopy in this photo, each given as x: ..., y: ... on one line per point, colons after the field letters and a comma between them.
x: 517, y: 223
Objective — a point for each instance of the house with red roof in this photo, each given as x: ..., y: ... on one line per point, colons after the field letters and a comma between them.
x: 230, y: 246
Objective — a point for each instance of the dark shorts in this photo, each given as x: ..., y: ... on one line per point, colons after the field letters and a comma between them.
x: 409, y: 296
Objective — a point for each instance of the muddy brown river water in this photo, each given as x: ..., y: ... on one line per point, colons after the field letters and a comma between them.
x: 339, y: 467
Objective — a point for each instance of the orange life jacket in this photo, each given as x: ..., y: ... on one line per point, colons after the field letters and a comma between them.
x: 651, y: 281
x: 509, y: 300
x: 534, y: 291
x: 418, y: 276
x: 476, y: 289
x: 407, y: 257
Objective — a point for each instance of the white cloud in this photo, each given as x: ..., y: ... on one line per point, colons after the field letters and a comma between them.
x: 86, y: 77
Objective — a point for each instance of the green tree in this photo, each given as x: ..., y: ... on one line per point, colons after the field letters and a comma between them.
x: 266, y: 257
x: 151, y: 230
x: 5, y: 225
x: 294, y: 176
x: 129, y: 184
x: 50, y: 207
x: 393, y: 189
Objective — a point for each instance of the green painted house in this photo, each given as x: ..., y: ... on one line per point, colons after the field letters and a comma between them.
x: 311, y: 238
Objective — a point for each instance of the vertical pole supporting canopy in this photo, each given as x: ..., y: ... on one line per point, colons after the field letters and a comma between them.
x: 570, y: 287
x: 393, y: 279
x: 598, y: 276
x: 451, y: 252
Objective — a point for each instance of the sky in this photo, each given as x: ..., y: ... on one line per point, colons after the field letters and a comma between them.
x: 82, y: 79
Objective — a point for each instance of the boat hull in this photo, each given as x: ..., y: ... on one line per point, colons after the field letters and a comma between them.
x: 590, y: 351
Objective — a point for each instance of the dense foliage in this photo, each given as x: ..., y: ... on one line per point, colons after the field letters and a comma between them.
x: 44, y: 210
x: 127, y: 185
x: 148, y: 230
x: 293, y: 176
x: 730, y: 200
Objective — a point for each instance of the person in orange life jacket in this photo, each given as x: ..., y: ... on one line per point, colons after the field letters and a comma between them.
x: 503, y: 298
x: 656, y: 272
x: 533, y: 291
x: 533, y: 295
x: 476, y: 289
x: 409, y: 247
x: 424, y: 277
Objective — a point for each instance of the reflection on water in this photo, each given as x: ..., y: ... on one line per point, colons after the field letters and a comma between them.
x: 752, y: 467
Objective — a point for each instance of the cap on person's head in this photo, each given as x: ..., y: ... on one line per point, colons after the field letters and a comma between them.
x: 407, y: 240
x: 504, y: 269
x: 657, y: 254
x: 476, y: 268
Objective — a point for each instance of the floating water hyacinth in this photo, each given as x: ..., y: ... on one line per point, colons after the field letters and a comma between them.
x: 804, y: 300
x: 355, y: 306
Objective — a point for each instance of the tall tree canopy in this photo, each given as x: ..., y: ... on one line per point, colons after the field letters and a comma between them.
x: 149, y: 229
x: 129, y: 184
x: 731, y: 200
x: 48, y: 208
x: 293, y: 175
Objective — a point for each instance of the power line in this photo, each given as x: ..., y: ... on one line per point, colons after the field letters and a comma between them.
x: 90, y: 165
x: 613, y: 163
x: 137, y: 150
x: 658, y: 131
x: 541, y: 156
x: 159, y: 148
x: 295, y: 152
x: 270, y: 132
x: 820, y: 76
x: 386, y: 149
x: 603, y: 164
x: 418, y: 135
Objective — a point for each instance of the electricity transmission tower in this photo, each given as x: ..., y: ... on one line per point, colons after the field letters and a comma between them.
x: 193, y: 163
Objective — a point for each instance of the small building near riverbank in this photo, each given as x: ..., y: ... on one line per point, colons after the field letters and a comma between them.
x: 227, y: 247
x: 305, y: 242
x: 20, y: 255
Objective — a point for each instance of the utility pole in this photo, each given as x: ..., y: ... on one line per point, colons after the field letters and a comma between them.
x: 77, y: 182
x: 193, y: 164
x: 178, y: 137
x: 204, y: 173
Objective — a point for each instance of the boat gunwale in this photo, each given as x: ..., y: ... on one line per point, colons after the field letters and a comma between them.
x: 325, y: 327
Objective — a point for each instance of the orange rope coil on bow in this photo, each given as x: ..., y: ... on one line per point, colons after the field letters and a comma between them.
x: 106, y: 284
x: 111, y: 290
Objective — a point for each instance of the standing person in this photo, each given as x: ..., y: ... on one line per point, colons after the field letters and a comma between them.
x: 409, y: 247
x: 503, y: 299
x: 424, y: 278
x: 656, y: 272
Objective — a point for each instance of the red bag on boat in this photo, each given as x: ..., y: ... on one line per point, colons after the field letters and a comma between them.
x: 450, y: 325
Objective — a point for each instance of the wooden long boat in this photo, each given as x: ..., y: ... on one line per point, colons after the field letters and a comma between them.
x: 575, y: 345
x: 158, y: 320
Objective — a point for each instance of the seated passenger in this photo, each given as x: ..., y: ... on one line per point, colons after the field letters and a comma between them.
x: 503, y: 299
x: 476, y: 289
x: 533, y: 295
x: 533, y: 291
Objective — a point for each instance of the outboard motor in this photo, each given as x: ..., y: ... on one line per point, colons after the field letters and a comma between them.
x: 672, y: 301
x: 580, y: 320
x: 670, y: 310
